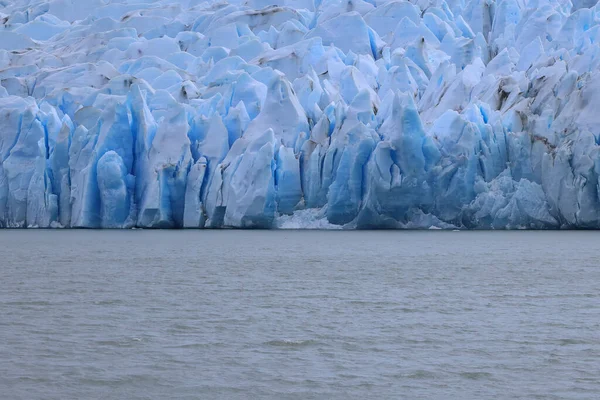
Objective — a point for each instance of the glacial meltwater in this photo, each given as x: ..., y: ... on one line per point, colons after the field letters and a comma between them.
x: 299, y: 315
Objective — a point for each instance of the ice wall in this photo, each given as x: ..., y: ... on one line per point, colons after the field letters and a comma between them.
x: 303, y: 113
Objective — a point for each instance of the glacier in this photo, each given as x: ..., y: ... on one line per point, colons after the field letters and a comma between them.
x: 329, y: 114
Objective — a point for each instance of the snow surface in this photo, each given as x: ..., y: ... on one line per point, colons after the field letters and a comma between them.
x: 303, y: 113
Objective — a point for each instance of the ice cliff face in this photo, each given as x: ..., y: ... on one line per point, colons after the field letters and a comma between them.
x: 354, y: 113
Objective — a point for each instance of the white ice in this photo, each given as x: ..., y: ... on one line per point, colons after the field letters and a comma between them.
x: 300, y: 114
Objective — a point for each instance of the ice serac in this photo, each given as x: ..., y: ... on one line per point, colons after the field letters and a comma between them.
x: 164, y: 169
x: 115, y: 191
x: 194, y: 215
x: 287, y: 180
x: 324, y: 114
x: 281, y: 112
x: 251, y: 186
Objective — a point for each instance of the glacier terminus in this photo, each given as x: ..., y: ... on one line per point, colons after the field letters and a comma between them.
x: 475, y: 114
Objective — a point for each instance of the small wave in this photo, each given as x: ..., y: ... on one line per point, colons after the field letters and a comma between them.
x: 372, y: 303
x: 419, y: 341
x: 27, y: 303
x: 33, y: 379
x: 475, y: 375
x: 117, y: 380
x: 409, y: 310
x: 567, y: 342
x: 125, y: 342
x: 194, y: 345
x: 182, y: 327
x: 109, y: 302
x: 421, y: 374
x: 290, y: 343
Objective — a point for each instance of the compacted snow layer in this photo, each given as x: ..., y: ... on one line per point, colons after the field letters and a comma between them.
x: 303, y: 113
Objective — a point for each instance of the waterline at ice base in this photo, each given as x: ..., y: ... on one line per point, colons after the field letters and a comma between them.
x: 456, y: 114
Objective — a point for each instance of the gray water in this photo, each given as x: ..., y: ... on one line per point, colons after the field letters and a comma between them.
x: 299, y: 315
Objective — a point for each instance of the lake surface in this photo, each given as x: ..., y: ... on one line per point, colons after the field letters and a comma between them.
x: 299, y: 315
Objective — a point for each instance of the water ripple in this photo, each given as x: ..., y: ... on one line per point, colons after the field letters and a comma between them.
x: 305, y: 315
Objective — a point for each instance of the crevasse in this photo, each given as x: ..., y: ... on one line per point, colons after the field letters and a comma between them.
x: 303, y: 113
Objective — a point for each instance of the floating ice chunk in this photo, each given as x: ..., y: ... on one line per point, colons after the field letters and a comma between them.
x: 305, y: 219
